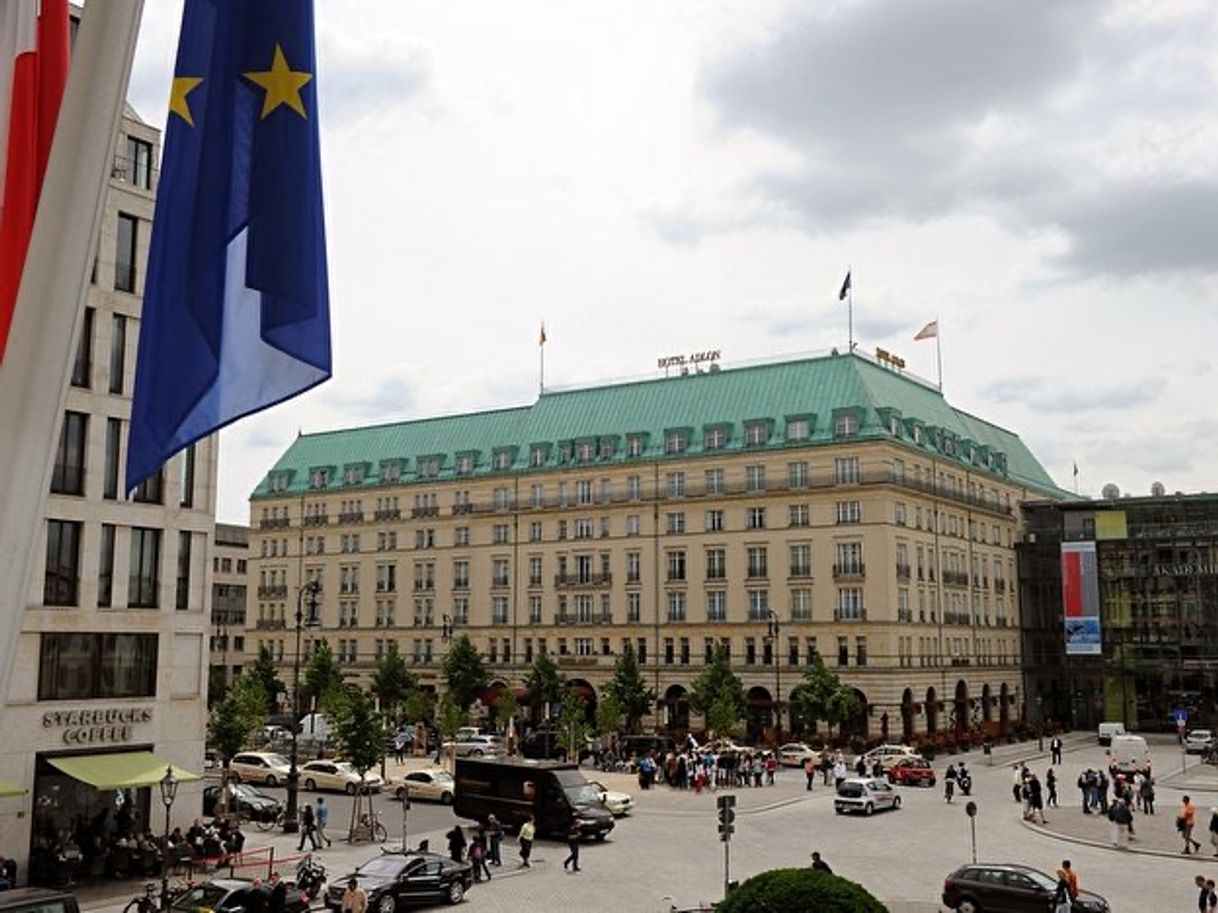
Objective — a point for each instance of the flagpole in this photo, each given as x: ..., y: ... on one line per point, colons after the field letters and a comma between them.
x: 50, y: 303
x: 939, y: 351
x: 541, y: 376
x: 850, y: 309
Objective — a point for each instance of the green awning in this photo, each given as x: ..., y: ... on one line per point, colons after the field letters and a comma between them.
x: 8, y: 789
x: 124, y: 770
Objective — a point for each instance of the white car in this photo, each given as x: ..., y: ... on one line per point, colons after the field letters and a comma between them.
x: 617, y: 804
x: 259, y: 767
x: 336, y: 775
x: 794, y: 754
x: 475, y: 746
x: 433, y: 783
x: 1199, y: 741
x: 888, y: 755
x: 866, y: 795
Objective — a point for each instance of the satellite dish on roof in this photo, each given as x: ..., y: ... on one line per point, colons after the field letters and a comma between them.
x: 1110, y: 492
x: 1157, y: 490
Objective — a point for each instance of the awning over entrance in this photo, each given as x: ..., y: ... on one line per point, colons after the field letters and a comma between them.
x: 7, y: 789
x: 124, y: 770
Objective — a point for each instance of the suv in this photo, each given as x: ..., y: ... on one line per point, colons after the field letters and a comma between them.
x: 866, y: 795
x: 1017, y: 888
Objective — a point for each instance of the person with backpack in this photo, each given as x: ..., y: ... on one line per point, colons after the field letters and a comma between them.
x: 477, y: 855
x: 949, y: 782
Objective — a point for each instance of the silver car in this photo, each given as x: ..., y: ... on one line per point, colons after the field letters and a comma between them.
x: 866, y: 795
x: 476, y: 746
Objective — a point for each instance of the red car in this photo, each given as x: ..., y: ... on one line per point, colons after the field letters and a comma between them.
x: 912, y: 772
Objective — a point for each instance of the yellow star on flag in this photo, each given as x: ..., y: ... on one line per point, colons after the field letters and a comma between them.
x: 282, y: 84
x: 182, y: 86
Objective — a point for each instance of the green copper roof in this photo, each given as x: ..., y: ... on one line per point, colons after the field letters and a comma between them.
x: 883, y: 403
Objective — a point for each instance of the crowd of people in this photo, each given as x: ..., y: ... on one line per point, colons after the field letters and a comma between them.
x: 706, y: 767
x: 483, y: 847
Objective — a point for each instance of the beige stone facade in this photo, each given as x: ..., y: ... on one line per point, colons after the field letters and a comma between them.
x: 229, y: 592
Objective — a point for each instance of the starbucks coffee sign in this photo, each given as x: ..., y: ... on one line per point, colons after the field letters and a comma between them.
x: 98, y: 726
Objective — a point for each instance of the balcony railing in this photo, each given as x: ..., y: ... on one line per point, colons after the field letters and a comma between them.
x: 351, y: 516
x: 270, y: 624
x: 274, y: 523
x: 955, y: 578
x: 393, y: 513
x: 801, y: 572
x: 273, y: 592
x: 578, y: 580
x: 852, y: 571
x: 317, y: 520
x: 416, y: 512
x: 903, y: 572
x: 859, y: 614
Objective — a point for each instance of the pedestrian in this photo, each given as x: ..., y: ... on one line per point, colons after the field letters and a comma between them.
x: 1051, y: 787
x: 1055, y: 750
x: 322, y: 816
x: 456, y: 843
x: 1061, y: 894
x: 949, y: 782
x: 1212, y: 896
x: 860, y: 767
x: 573, y: 840
x: 1036, y: 802
x: 1214, y: 829
x: 839, y: 772
x: 1084, y: 789
x: 1206, y: 900
x: 810, y: 772
x: 354, y: 899
x: 276, y: 901
x: 399, y: 748
x: 771, y: 768
x: 527, y: 830
x: 1071, y: 880
x: 256, y: 902
x: 308, y: 828
x: 819, y: 864
x: 1017, y: 786
x: 1147, y: 793
x: 477, y: 855
x: 1185, y: 821
x: 494, y: 837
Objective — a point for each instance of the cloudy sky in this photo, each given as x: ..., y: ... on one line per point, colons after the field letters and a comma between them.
x: 651, y: 178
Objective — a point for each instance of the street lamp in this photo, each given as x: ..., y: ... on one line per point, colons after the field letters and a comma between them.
x: 169, y: 792
x: 310, y: 590
x: 772, y: 630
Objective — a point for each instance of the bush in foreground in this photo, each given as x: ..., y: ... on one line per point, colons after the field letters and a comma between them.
x: 792, y: 890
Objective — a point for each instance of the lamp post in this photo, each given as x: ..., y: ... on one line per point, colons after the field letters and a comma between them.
x: 446, y: 636
x: 309, y: 590
x: 772, y: 630
x: 169, y: 792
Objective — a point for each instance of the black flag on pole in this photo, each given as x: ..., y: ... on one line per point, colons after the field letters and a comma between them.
x: 841, y: 296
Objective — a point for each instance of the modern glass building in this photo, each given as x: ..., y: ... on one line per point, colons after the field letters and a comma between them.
x: 1148, y: 567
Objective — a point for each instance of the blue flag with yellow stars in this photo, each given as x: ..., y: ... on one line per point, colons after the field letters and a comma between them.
x: 236, y: 313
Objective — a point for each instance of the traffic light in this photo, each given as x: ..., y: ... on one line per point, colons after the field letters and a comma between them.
x: 727, y: 816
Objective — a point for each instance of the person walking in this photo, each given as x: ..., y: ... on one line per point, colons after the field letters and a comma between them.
x: 308, y: 828
x: 573, y: 840
x: 810, y: 772
x: 494, y: 837
x: 399, y: 748
x: 1051, y: 788
x: 1147, y: 792
x: 819, y: 864
x: 1214, y: 829
x: 354, y: 899
x: 1055, y: 750
x: 527, y: 830
x: 477, y: 855
x: 949, y: 782
x: 322, y: 816
x: 1061, y: 894
x: 1017, y: 785
x: 1186, y: 820
x: 1036, y: 801
x: 276, y: 901
x: 456, y: 843
x: 1071, y: 880
x: 1206, y: 900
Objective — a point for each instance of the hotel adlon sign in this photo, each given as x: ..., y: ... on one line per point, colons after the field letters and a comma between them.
x: 97, y: 726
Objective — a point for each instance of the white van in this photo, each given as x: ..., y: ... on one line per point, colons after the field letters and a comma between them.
x: 1129, y: 753
x: 1108, y: 730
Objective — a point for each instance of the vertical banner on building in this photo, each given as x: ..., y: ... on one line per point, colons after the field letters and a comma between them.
x: 1081, y: 598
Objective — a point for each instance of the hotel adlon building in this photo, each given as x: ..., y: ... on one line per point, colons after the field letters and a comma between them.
x: 829, y: 505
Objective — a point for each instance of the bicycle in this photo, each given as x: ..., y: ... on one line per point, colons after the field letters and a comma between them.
x: 270, y: 822
x: 370, y: 828
x: 150, y: 900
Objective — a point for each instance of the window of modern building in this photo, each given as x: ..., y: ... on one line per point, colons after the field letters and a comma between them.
x: 61, y: 583
x: 138, y: 164
x: 68, y: 473
x: 105, y: 566
x: 186, y: 497
x: 124, y: 252
x: 89, y: 666
x: 118, y: 353
x: 182, y: 591
x: 151, y: 490
x: 143, y: 579
x: 82, y: 363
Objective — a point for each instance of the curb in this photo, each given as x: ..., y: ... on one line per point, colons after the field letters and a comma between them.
x: 1105, y: 845
x: 698, y: 813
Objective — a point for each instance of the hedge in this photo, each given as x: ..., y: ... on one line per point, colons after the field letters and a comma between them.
x: 789, y: 890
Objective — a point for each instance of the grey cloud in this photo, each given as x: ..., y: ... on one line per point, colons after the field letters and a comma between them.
x: 391, y: 398
x: 1042, y: 396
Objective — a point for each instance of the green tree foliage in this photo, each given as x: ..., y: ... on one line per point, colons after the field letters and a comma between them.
x: 800, y: 889
x: 718, y: 685
x: 723, y: 716
x: 608, y: 715
x: 322, y: 677
x: 392, y: 682
x: 450, y: 716
x: 264, y: 671
x: 217, y: 685
x: 543, y: 685
x: 417, y: 707
x: 506, y: 707
x: 463, y: 672
x: 357, y: 729
x: 633, y: 697
x: 242, y: 710
x: 822, y: 695
x: 573, y: 728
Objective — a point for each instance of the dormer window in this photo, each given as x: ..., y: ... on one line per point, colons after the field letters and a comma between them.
x: 429, y: 467
x: 894, y: 426
x: 564, y: 453
x: 798, y: 429
x: 465, y: 464
x: 353, y: 475
x: 675, y: 442
x: 319, y: 478
x: 714, y: 439
x: 391, y: 471
x: 845, y: 426
x: 917, y: 434
x: 755, y: 434
x: 634, y: 445
x: 537, y: 456
x: 583, y: 451
x: 502, y: 460
x: 606, y: 448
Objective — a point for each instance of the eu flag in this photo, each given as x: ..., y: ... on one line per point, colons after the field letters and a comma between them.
x: 236, y: 311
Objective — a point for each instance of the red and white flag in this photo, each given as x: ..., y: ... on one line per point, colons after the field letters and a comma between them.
x: 929, y: 331
x: 34, y: 55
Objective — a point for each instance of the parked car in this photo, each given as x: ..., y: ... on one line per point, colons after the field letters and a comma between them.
x: 37, y: 900
x: 475, y: 746
x: 337, y: 775
x: 394, y: 880
x: 433, y: 784
x: 616, y: 803
x: 794, y: 754
x: 912, y: 771
x: 234, y: 895
x: 866, y: 795
x: 259, y: 767
x: 243, y: 799
x: 887, y: 755
x: 1105, y: 731
x: 1013, y: 888
x: 1199, y: 741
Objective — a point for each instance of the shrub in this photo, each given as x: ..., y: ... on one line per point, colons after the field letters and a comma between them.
x: 800, y: 889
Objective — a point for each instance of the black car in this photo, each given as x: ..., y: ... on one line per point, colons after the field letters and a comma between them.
x: 232, y: 895
x: 397, y: 880
x: 246, y: 801
x: 998, y: 888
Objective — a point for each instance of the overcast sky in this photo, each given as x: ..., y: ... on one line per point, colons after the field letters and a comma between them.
x: 651, y: 178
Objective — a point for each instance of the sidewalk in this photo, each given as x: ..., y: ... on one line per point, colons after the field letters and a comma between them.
x: 1154, y: 835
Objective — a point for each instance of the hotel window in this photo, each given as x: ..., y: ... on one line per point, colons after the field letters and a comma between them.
x: 676, y: 565
x: 676, y: 523
x: 62, y: 563
x: 750, y: 651
x: 143, y: 579
x: 583, y: 492
x: 584, y: 528
x: 849, y: 604
x: 583, y: 451
x: 860, y: 651
x: 848, y: 512
x: 843, y: 651
x: 536, y: 495
x: 684, y: 651
x: 670, y: 651
x: 534, y: 571
x: 846, y: 470
x: 809, y: 650
x: 503, y: 498
x: 182, y: 591
x: 535, y: 610
x: 714, y: 481
x: 634, y: 445
x: 583, y: 646
x: 640, y: 650
x: 82, y: 364
x: 500, y: 534
x: 632, y: 525
x: 634, y: 561
x: 465, y: 464
x: 68, y: 474
x: 676, y: 485
x: 675, y: 442
x: 800, y: 515
x: 89, y: 666
x: 849, y: 558
x: 708, y: 649
x: 754, y: 518
x: 754, y: 478
x: 797, y: 429
x: 792, y: 651
x: 716, y: 564
x: 755, y: 434
x: 606, y: 448
x: 105, y: 567
x: 801, y: 605
x: 676, y: 606
x: 634, y: 488
x: 801, y: 560
x: 797, y: 474
x: 845, y: 426
x: 528, y: 649
x: 759, y: 605
x: 535, y: 531
x: 124, y: 253
x: 499, y: 610
x: 634, y: 603
x: 715, y: 439
x: 503, y: 460
x: 757, y: 562
x: 714, y: 521
x: 537, y: 456
x: 118, y: 352
x: 499, y: 572
x: 899, y: 513
x: 716, y: 605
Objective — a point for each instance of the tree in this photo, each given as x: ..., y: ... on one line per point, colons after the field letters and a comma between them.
x: 264, y: 671
x: 717, y: 684
x: 450, y: 716
x: 217, y: 685
x: 322, y: 677
x: 723, y: 715
x: 358, y: 732
x: 392, y: 682
x: 633, y: 697
x: 241, y: 711
x: 822, y: 695
x: 573, y: 726
x: 506, y: 707
x: 801, y: 889
x: 608, y: 716
x: 417, y: 707
x: 463, y: 672
x: 543, y: 686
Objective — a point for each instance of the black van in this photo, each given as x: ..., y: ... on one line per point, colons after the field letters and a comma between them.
x: 554, y: 793
x: 37, y: 900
